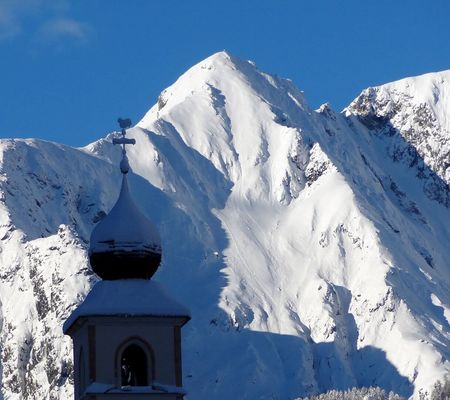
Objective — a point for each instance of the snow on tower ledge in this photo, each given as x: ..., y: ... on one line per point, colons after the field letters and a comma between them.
x: 133, y: 297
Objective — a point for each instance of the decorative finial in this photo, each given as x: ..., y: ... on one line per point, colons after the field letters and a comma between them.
x: 124, y: 124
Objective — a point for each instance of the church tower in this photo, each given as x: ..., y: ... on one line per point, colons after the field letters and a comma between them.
x: 127, y: 332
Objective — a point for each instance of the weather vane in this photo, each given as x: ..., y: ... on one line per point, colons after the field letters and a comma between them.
x: 124, y: 124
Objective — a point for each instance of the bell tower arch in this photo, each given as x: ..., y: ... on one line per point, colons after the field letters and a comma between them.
x: 135, y: 363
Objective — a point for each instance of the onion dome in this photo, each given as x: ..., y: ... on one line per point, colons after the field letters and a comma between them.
x: 125, y: 244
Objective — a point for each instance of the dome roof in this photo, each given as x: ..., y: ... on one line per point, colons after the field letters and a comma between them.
x: 125, y: 244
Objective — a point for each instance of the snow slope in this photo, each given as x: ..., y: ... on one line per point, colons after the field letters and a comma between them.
x: 309, y: 245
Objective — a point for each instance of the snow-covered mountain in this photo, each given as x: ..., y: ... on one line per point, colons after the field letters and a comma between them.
x: 310, y: 245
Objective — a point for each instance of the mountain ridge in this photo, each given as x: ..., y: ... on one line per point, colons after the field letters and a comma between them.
x: 304, y: 248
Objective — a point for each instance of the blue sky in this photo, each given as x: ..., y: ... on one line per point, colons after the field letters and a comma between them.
x: 68, y: 69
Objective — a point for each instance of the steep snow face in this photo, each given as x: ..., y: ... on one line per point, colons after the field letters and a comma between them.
x: 310, y: 259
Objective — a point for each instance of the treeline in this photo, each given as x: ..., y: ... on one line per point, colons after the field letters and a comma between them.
x: 440, y: 391
x: 371, y: 393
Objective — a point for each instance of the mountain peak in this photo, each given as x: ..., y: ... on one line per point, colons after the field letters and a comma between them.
x: 221, y: 57
x: 228, y: 108
x: 226, y: 60
x: 220, y: 76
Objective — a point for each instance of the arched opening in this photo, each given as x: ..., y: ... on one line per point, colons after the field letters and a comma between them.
x: 134, y: 366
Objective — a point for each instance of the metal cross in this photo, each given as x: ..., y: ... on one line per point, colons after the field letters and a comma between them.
x: 124, y: 124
